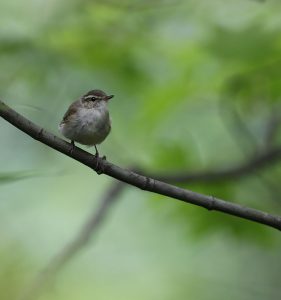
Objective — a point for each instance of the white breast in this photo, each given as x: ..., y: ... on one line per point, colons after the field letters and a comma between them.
x: 88, y: 126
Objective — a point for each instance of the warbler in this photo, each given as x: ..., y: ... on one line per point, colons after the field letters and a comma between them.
x: 87, y: 120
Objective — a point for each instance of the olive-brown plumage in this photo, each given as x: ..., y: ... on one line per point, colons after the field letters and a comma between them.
x: 87, y: 120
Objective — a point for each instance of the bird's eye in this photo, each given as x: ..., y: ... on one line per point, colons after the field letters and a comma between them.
x: 93, y: 98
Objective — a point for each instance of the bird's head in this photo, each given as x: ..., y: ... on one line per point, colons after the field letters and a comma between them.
x: 96, y: 96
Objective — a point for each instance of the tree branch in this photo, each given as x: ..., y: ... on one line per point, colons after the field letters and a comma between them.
x: 130, y: 177
x: 80, y: 240
x: 259, y: 161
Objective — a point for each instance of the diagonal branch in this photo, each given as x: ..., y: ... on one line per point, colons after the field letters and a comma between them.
x: 132, y: 178
x: 90, y: 228
x: 258, y: 162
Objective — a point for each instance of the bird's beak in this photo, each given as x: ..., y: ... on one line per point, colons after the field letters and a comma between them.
x: 109, y: 97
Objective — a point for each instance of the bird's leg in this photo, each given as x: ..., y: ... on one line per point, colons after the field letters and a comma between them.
x: 72, y: 147
x: 97, y: 152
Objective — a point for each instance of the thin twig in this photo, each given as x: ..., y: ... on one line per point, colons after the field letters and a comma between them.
x: 130, y: 177
x: 257, y: 148
x: 246, y: 168
x: 88, y: 230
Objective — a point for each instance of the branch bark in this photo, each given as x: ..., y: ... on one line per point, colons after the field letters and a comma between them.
x: 130, y: 177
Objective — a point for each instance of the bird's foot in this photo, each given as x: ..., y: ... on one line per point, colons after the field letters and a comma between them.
x: 72, y: 148
x: 99, y: 164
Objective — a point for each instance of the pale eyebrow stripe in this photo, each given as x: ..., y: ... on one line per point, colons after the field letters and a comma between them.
x: 91, y: 96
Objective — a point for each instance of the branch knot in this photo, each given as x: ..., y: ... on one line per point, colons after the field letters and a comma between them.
x: 211, y: 203
x: 149, y: 184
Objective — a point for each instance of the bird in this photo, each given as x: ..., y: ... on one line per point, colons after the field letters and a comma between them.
x: 87, y: 120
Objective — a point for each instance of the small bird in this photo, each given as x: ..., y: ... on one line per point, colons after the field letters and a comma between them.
x: 87, y: 120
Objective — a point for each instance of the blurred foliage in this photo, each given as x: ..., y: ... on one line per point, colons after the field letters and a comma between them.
x: 195, y: 85
x: 12, y: 273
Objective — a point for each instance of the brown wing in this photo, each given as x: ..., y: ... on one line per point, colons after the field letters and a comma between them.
x: 71, y: 111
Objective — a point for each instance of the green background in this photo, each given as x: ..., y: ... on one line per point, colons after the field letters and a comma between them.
x: 196, y: 85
